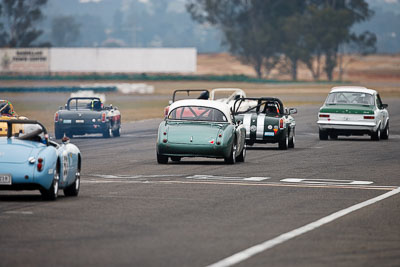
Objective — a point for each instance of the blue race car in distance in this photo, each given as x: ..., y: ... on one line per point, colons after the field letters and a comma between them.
x: 30, y: 161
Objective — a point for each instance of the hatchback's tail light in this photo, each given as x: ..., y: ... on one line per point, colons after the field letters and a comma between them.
x: 40, y: 164
x: 369, y: 117
x: 56, y: 117
x: 324, y: 115
x: 103, y: 117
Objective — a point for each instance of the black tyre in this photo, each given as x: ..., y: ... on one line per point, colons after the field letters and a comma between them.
x: 73, y: 189
x: 284, y: 142
x: 107, y: 133
x: 52, y: 192
x: 385, y: 132
x: 117, y: 132
x: 376, y: 136
x: 292, y: 140
x: 232, y: 157
x: 176, y: 159
x: 58, y: 133
x: 161, y: 159
x: 323, y: 135
x: 242, y: 155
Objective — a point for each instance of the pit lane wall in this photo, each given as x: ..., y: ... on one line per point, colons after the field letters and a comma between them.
x: 102, y: 60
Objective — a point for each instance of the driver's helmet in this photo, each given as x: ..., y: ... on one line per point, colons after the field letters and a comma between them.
x: 6, y: 108
x: 96, y: 104
x: 204, y: 95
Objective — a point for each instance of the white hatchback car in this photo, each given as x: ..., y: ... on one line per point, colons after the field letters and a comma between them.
x: 352, y: 110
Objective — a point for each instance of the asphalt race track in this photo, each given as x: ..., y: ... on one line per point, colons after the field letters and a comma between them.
x: 198, y: 212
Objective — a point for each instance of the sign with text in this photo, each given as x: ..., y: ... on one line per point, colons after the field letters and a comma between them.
x: 24, y: 60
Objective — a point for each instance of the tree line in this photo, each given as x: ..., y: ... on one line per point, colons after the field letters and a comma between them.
x: 268, y: 34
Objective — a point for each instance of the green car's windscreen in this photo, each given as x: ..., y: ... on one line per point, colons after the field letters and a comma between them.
x: 195, y: 113
x: 350, y: 98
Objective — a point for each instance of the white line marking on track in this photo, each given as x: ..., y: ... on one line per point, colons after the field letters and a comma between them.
x: 258, y: 179
x: 19, y: 212
x: 215, y: 177
x: 325, y: 181
x: 250, y: 252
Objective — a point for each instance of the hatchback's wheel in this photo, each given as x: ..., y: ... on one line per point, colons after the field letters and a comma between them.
x: 52, y: 192
x: 376, y: 136
x: 232, y: 157
x: 385, y: 132
x: 284, y: 142
x: 242, y: 155
x: 161, y: 159
x: 73, y: 189
x: 323, y: 135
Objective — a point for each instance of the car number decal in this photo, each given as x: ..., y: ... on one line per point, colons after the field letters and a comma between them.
x: 65, y: 165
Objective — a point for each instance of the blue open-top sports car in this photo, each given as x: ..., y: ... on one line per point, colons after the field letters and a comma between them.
x: 30, y: 161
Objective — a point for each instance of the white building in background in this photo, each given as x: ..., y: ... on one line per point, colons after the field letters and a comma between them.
x: 103, y: 60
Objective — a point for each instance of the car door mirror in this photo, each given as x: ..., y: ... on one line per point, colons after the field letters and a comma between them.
x: 292, y: 110
x: 385, y: 105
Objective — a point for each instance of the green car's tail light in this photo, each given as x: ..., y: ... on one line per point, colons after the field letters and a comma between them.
x: 103, y: 117
x: 56, y: 117
x: 218, y: 142
x: 164, y: 133
x: 164, y: 140
x: 40, y: 164
x: 369, y: 117
x: 220, y: 135
x: 281, y: 124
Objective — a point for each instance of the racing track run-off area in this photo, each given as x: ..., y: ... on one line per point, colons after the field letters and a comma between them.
x: 323, y: 203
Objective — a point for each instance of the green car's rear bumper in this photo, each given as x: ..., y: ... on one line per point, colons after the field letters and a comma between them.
x: 190, y: 150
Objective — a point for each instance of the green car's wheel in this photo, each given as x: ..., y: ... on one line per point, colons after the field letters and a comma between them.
x: 52, y: 192
x: 58, y: 133
x: 242, y: 155
x: 73, y: 189
x: 176, y: 159
x: 385, y: 132
x: 161, y: 159
x: 292, y: 140
x: 284, y: 142
x: 323, y: 135
x: 232, y: 157
x: 376, y: 136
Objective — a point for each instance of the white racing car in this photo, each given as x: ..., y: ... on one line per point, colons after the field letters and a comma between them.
x: 351, y: 110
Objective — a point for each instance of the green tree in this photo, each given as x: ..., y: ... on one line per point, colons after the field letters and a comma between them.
x: 332, y: 21
x: 20, y: 18
x: 249, y: 27
x: 65, y: 31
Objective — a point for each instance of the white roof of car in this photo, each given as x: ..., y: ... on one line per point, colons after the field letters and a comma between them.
x: 224, y: 108
x: 356, y: 89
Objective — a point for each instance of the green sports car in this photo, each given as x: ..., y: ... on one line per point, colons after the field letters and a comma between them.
x: 200, y: 128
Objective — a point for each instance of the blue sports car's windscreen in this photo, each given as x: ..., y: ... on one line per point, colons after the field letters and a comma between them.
x: 350, y: 98
x: 195, y: 113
